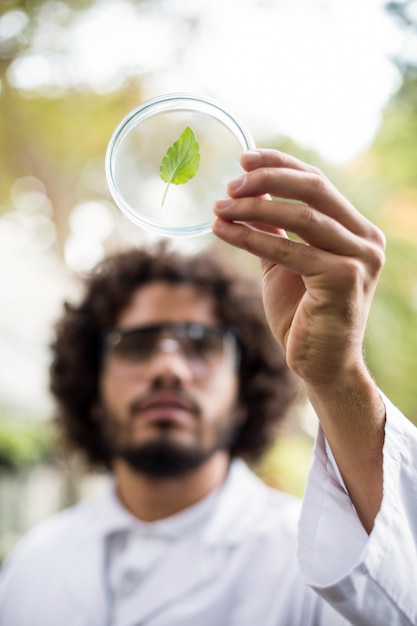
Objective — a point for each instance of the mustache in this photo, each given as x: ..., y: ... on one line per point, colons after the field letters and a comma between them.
x: 183, y: 397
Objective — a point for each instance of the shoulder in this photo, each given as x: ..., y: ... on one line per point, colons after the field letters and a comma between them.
x: 58, y: 552
x: 51, y: 535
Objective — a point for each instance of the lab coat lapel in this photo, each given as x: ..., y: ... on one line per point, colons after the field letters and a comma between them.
x: 84, y: 578
x: 188, y: 564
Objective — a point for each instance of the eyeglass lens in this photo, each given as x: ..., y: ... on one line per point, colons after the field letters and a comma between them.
x: 198, y: 343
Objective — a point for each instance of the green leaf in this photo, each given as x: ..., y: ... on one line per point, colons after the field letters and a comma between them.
x: 181, y: 162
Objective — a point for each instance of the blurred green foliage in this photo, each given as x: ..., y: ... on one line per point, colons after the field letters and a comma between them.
x: 25, y: 443
x: 52, y: 139
x: 285, y: 466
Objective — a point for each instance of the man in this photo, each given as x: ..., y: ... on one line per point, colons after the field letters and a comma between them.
x: 167, y: 374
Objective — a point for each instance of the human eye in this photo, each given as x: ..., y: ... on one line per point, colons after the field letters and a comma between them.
x: 208, y: 345
x: 135, y: 345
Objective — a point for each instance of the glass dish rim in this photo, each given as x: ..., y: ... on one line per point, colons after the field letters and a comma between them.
x: 148, y: 108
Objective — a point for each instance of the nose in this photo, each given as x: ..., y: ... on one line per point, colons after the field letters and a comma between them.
x: 169, y: 362
x: 169, y: 344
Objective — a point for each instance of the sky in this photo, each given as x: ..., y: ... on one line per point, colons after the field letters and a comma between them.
x: 318, y: 71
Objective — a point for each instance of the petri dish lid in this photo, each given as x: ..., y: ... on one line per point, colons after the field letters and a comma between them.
x: 210, y: 154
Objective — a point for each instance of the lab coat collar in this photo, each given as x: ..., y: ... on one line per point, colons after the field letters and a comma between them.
x: 240, y: 488
x: 238, y: 509
x: 185, y: 566
x: 194, y: 560
x: 236, y: 512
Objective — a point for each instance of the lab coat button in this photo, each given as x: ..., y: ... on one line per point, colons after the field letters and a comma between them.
x: 130, y: 580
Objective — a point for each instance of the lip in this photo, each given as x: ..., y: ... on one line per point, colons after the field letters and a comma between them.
x: 167, y: 407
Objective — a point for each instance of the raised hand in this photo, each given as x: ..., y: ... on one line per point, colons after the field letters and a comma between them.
x: 318, y: 290
x: 317, y: 293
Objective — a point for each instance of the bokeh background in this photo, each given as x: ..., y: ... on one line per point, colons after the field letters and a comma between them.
x: 332, y: 83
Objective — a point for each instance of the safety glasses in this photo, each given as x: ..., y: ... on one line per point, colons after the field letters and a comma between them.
x: 204, y: 347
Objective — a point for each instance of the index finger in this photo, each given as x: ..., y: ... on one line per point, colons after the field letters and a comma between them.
x: 253, y: 159
x: 284, y: 176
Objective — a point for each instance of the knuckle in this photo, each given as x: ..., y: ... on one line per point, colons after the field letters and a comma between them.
x: 309, y: 215
x: 354, y: 272
x: 285, y: 160
x: 319, y: 186
x: 265, y: 177
x: 285, y: 250
x: 245, y: 239
x: 317, y: 171
x: 350, y: 269
x: 249, y: 208
x: 376, y: 257
x: 375, y: 253
x: 268, y: 175
x: 318, y: 182
x: 376, y: 235
x: 380, y: 239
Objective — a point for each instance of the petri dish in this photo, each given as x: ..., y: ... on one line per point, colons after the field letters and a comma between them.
x: 139, y: 144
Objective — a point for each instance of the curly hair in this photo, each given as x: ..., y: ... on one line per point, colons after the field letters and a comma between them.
x: 267, y: 387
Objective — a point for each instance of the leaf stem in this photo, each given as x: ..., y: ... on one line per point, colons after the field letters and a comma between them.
x: 165, y: 193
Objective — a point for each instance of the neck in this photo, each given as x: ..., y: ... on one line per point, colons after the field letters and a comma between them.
x: 150, y: 498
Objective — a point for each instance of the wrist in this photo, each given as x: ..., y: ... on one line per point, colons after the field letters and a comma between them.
x: 346, y: 398
x: 352, y: 415
x: 355, y: 379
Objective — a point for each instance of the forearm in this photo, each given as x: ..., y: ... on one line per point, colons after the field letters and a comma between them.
x: 352, y: 416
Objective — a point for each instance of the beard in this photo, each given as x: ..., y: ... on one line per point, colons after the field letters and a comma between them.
x: 163, y: 456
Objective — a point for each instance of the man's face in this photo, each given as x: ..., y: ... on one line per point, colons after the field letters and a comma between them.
x: 166, y: 407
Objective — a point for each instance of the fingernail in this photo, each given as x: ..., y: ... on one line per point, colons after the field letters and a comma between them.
x: 237, y: 183
x: 252, y: 157
x: 222, y: 205
x: 220, y: 226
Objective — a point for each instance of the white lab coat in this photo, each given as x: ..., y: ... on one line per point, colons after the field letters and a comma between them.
x: 371, y: 580
x: 241, y: 570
